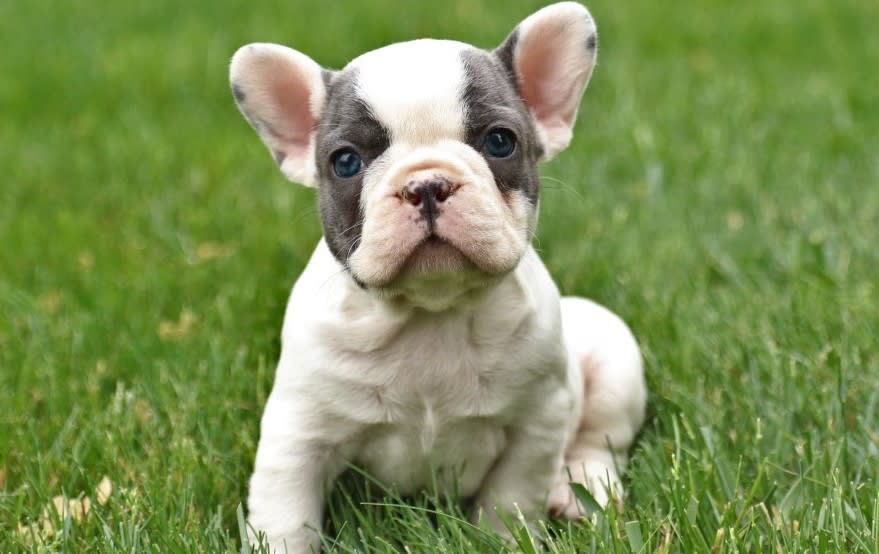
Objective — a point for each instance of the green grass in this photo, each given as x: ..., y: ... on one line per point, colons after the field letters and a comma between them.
x: 721, y: 194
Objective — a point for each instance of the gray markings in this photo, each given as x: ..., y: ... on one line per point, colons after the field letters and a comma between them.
x: 346, y: 123
x: 491, y: 101
x: 327, y: 77
x: 265, y: 130
x: 505, y: 53
x: 239, y: 95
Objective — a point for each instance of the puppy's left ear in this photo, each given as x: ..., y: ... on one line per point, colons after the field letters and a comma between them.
x: 551, y: 55
x: 281, y: 93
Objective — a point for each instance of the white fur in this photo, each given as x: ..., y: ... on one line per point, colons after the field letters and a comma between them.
x: 472, y: 374
x: 490, y: 394
x: 402, y: 85
x: 615, y: 398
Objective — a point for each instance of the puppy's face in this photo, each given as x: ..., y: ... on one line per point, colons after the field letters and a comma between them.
x: 424, y: 153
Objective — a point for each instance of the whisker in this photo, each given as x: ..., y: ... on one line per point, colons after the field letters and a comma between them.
x: 564, y: 186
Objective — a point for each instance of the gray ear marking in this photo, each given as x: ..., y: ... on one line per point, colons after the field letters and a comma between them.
x: 238, y: 93
x: 504, y: 53
x: 327, y: 76
x: 549, y: 58
x: 592, y: 42
x: 281, y: 93
x: 258, y: 125
x: 263, y: 128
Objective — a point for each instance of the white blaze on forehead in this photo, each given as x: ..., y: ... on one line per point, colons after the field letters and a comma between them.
x: 414, y: 89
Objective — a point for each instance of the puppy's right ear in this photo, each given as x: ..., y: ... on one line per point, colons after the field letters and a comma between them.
x: 281, y: 93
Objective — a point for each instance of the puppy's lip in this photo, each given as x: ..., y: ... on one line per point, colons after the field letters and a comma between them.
x: 429, y: 254
x: 434, y: 254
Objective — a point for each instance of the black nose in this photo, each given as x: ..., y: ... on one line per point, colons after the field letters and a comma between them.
x: 428, y: 195
x: 434, y: 191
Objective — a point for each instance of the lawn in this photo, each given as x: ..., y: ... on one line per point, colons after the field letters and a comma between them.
x: 721, y: 194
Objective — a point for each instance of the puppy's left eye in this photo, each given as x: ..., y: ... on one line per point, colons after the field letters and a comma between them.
x: 500, y: 143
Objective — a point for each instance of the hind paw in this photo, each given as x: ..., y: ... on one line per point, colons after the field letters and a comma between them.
x: 601, y: 480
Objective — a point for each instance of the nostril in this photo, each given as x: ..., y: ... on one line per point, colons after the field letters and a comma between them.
x: 435, y: 191
x: 442, y: 191
x: 411, y: 194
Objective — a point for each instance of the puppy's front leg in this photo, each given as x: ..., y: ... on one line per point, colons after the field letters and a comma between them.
x: 289, y: 482
x: 522, y: 477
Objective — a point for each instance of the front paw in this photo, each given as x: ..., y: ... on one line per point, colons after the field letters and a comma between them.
x: 517, y: 532
x: 507, y: 518
x: 487, y: 511
x: 301, y: 541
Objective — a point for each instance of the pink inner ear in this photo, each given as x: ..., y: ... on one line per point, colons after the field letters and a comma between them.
x: 551, y: 72
x: 291, y: 97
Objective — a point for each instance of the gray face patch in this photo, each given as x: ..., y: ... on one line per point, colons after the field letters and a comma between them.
x: 492, y: 101
x: 346, y: 122
x: 504, y: 54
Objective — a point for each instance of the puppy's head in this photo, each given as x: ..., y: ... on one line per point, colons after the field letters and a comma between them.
x: 424, y: 153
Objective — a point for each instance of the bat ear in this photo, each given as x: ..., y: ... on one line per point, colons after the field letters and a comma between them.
x: 551, y: 55
x: 281, y: 93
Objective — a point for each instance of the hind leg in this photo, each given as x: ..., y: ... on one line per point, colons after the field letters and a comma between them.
x: 614, y: 401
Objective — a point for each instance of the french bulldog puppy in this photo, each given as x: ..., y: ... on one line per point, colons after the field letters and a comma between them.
x: 425, y: 340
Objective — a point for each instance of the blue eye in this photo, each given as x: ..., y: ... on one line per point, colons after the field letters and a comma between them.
x: 500, y: 143
x: 347, y: 163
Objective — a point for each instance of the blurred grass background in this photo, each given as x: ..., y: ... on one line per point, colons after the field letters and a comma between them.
x: 721, y: 194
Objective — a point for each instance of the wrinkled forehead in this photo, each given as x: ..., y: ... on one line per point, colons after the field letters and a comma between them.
x: 414, y: 89
x: 419, y: 93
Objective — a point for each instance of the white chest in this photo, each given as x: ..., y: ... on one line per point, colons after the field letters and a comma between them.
x: 433, y: 405
x: 418, y: 397
x: 453, y: 455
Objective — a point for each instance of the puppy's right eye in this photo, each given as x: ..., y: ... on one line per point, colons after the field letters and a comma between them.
x: 346, y: 163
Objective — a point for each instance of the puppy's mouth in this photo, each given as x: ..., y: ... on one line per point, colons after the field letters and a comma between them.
x: 435, y: 275
x: 434, y: 254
